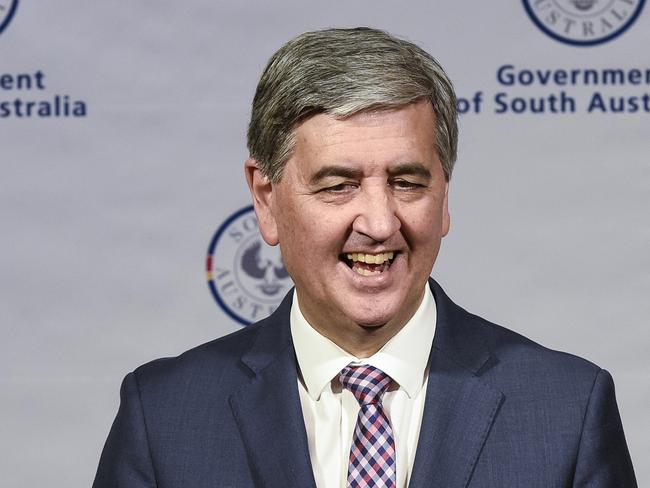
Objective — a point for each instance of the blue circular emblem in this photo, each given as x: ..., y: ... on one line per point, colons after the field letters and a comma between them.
x: 583, y: 22
x: 7, y: 11
x: 246, y: 276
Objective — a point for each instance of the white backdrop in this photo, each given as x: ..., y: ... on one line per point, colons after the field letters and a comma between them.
x: 106, y: 217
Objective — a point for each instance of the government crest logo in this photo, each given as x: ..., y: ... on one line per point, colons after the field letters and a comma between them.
x: 584, y: 22
x: 7, y: 11
x: 246, y: 276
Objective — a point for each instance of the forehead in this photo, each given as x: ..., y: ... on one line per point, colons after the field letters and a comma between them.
x: 379, y: 136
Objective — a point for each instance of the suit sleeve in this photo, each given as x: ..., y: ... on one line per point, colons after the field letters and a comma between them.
x: 603, y: 458
x: 126, y: 460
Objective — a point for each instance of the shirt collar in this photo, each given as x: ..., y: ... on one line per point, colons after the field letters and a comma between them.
x: 404, y: 357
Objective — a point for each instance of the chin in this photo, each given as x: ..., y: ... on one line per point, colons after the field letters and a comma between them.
x: 369, y: 325
x: 372, y: 319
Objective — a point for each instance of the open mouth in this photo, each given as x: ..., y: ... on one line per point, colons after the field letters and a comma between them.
x: 369, y: 264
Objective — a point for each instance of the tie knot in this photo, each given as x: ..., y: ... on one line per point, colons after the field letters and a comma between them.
x: 366, y: 383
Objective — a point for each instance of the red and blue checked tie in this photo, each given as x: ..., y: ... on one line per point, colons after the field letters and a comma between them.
x: 372, y: 456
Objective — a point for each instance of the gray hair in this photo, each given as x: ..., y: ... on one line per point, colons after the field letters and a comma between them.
x: 343, y: 72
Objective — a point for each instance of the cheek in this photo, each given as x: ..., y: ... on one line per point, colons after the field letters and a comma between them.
x: 296, y: 226
x: 309, y: 222
x: 421, y: 225
x: 304, y: 233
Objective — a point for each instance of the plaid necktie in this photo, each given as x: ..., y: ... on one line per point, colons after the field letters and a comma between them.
x: 372, y: 455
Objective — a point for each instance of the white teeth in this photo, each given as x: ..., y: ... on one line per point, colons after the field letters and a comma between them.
x: 371, y: 258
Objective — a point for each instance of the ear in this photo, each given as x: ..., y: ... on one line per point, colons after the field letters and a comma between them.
x: 262, y: 192
x: 446, y: 219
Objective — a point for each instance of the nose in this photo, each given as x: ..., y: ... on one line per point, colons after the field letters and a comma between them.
x: 377, y: 217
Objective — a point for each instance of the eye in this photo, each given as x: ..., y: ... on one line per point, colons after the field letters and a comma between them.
x: 406, y: 184
x: 340, y: 188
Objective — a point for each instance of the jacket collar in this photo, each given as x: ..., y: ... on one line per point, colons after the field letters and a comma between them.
x: 458, y: 413
x: 267, y: 410
x: 460, y: 407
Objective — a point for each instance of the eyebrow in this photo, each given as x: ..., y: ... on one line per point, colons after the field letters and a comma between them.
x: 417, y: 169
x: 335, y: 170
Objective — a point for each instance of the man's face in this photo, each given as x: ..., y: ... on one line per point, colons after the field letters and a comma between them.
x: 368, y: 188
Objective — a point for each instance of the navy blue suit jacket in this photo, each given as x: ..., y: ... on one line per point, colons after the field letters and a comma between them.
x: 501, y: 411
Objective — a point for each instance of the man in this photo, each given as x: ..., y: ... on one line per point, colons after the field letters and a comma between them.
x: 367, y: 374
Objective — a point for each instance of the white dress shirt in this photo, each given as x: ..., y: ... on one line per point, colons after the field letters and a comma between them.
x: 330, y: 411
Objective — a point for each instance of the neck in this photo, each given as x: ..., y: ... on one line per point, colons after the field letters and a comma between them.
x: 362, y: 341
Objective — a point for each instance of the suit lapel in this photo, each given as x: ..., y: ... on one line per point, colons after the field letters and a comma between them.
x: 458, y: 413
x: 268, y: 411
x: 460, y: 408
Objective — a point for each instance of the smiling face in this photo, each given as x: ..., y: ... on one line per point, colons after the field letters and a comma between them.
x: 359, y: 214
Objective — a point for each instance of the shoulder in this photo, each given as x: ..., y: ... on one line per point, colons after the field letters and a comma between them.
x: 215, y: 362
x: 221, y: 365
x: 515, y: 349
x: 507, y: 359
x: 557, y: 412
x: 523, y: 368
x: 509, y: 352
